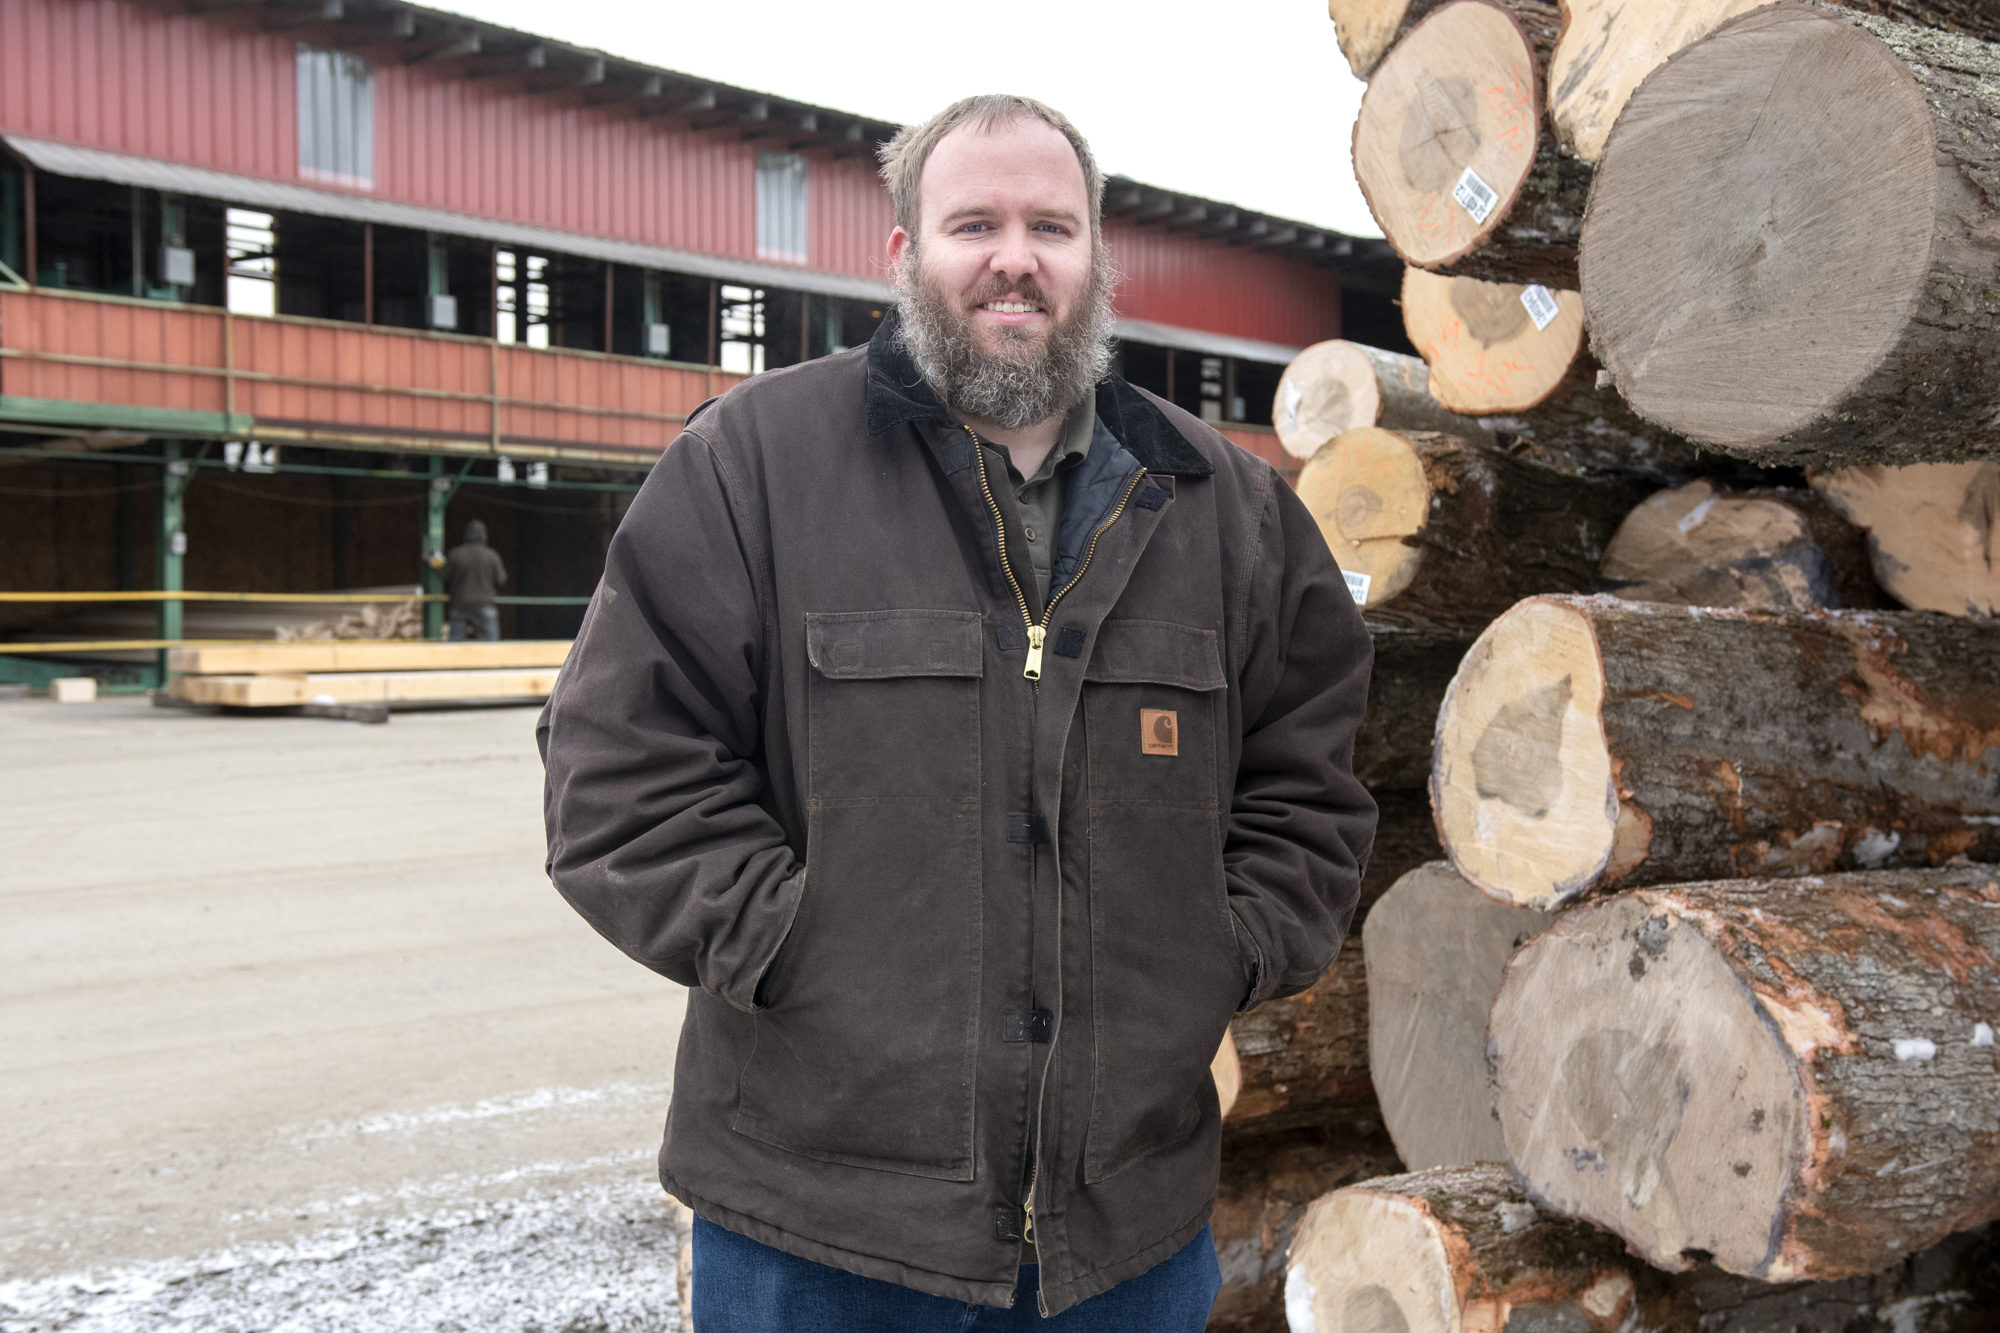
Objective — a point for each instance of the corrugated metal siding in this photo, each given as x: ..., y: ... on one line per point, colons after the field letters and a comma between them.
x: 342, y: 381
x: 1195, y: 284
x: 136, y: 80
x: 851, y: 218
x: 148, y: 82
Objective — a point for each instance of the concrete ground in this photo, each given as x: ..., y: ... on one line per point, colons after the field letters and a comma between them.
x: 294, y: 1034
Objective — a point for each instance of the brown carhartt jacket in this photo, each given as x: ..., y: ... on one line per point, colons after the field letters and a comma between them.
x: 933, y: 912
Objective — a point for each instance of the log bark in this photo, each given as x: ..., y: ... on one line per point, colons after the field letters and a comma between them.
x: 1462, y: 92
x: 1481, y: 342
x: 1790, y: 275
x: 1608, y: 47
x: 1267, y: 1181
x: 1435, y: 947
x: 1303, y: 1060
x: 1588, y: 743
x: 1441, y: 533
x: 1591, y: 425
x: 1789, y: 1078
x: 1464, y: 1248
x: 1335, y: 386
x: 1405, y: 691
x: 1701, y: 545
x: 1933, y: 531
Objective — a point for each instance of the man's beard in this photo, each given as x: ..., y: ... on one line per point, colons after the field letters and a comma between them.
x: 1031, y: 376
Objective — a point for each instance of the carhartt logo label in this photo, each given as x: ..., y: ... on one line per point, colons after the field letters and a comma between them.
x: 1159, y: 731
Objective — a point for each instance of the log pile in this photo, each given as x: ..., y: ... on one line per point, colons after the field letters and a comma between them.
x: 1674, y: 991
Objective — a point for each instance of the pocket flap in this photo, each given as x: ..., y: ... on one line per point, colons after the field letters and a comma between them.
x: 1156, y: 652
x: 874, y: 645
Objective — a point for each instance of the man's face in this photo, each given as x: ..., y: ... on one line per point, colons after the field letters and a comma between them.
x: 1005, y: 293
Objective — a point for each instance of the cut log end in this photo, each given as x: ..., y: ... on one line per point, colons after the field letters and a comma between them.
x: 1608, y: 47
x: 1697, y: 546
x: 1640, y: 1088
x: 1369, y: 495
x: 1933, y: 531
x: 1740, y: 291
x: 1521, y: 775
x: 1485, y: 349
x: 1448, y: 131
x: 1366, y: 29
x: 1372, y: 1260
x: 1328, y: 389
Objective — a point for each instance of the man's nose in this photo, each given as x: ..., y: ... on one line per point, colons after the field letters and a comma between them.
x: 1013, y: 257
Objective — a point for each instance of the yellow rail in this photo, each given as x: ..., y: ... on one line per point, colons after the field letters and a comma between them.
x: 105, y: 645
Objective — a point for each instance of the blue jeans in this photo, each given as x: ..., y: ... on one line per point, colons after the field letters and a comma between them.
x: 479, y: 622
x: 743, y: 1286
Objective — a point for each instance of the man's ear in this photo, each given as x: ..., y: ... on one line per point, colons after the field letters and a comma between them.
x: 899, y: 241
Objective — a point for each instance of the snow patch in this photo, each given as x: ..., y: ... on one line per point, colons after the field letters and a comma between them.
x: 1873, y: 849
x: 600, y: 1259
x: 520, y: 1103
x: 1516, y: 1217
x: 1914, y: 1048
x: 1299, y: 1302
x: 1695, y: 517
x: 1982, y: 1034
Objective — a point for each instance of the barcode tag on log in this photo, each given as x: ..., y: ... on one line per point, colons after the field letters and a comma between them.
x: 1474, y: 195
x: 1357, y: 586
x: 1541, y: 304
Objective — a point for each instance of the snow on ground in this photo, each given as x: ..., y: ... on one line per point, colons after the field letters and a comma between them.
x: 599, y: 1260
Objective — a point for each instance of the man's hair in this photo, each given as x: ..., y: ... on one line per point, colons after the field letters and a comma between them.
x: 903, y: 157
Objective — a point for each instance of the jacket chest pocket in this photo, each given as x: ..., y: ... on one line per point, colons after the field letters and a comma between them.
x: 865, y: 1051
x: 1165, y: 975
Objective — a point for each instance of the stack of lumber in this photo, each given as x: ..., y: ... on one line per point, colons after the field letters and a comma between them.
x: 1672, y: 999
x: 335, y: 672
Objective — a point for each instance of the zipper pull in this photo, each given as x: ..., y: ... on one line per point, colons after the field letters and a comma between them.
x: 1036, y: 633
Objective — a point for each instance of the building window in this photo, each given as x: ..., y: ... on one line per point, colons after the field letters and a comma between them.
x: 336, y: 118
x: 781, y: 207
x: 250, y: 240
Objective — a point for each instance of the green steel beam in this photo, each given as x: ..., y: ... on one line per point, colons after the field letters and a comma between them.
x: 436, y: 497
x: 172, y: 543
x: 111, y: 677
x: 124, y: 416
x: 12, y: 230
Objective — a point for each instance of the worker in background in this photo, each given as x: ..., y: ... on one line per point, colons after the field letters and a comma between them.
x: 473, y: 576
x: 972, y: 733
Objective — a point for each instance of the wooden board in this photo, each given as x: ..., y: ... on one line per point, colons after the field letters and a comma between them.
x: 260, y: 659
x: 357, y: 687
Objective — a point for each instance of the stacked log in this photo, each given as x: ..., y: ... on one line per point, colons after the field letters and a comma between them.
x: 1789, y: 1078
x: 1794, y: 277
x: 1464, y: 1248
x: 1771, y: 548
x: 1703, y: 959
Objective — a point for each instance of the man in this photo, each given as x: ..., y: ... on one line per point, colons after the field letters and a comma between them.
x: 473, y: 575
x: 971, y: 732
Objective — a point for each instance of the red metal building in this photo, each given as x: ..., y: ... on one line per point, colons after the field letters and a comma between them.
x: 380, y: 237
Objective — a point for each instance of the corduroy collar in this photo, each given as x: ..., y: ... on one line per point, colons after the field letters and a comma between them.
x: 897, y: 392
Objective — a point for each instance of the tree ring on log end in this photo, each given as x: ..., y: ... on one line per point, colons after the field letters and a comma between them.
x: 1369, y: 494
x: 1760, y: 229
x: 1327, y: 389
x: 1481, y: 344
x: 1521, y: 772
x: 1394, y: 1274
x: 1642, y: 1088
x: 1457, y: 94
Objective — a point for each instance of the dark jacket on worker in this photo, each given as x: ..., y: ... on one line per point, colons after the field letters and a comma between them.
x: 932, y: 911
x: 472, y: 571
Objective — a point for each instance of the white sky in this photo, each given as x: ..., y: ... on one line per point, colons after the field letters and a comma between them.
x: 1250, y: 102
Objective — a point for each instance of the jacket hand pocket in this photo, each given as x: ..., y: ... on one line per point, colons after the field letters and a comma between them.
x: 865, y: 1055
x: 1165, y: 972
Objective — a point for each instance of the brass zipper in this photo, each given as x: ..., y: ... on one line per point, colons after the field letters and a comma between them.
x: 1038, y: 634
